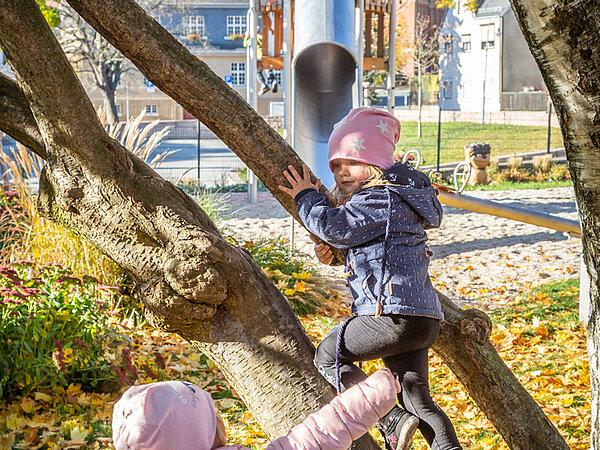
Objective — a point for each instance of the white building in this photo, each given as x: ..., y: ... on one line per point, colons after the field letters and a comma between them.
x: 485, y: 64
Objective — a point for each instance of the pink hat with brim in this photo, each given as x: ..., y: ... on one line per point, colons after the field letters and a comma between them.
x: 367, y: 135
x: 169, y: 415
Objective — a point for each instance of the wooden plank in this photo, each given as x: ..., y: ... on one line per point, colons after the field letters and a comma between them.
x: 266, y: 24
x: 380, y: 44
x: 375, y: 64
x: 278, y: 33
x: 367, y: 35
x: 272, y: 62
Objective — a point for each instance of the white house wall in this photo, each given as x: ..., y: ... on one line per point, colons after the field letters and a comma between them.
x: 462, y: 72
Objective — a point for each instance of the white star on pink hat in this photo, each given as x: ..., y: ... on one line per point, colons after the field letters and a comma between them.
x: 357, y: 145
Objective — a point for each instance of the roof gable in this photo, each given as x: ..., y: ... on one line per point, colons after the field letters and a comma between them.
x: 493, y: 8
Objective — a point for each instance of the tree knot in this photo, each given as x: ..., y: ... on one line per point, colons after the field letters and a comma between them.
x: 196, y: 279
x: 477, y: 326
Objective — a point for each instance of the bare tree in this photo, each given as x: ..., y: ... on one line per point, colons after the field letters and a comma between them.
x: 92, y: 54
x: 190, y: 279
x: 424, y: 53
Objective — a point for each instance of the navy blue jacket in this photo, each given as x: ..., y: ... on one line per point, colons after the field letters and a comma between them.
x: 382, y: 232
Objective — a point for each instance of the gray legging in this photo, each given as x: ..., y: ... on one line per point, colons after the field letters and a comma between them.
x: 402, y: 342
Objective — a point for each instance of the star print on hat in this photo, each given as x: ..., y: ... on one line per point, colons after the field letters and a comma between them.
x: 367, y: 135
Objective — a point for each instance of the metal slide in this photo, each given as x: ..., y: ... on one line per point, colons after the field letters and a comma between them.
x: 324, y: 68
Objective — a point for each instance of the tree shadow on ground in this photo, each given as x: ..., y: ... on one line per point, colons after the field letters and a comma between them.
x: 444, y: 250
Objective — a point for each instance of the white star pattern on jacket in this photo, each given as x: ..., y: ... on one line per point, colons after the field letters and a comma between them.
x: 357, y: 145
x: 383, y: 126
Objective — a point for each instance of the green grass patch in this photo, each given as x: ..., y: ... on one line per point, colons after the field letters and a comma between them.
x: 553, y: 303
x: 503, y: 139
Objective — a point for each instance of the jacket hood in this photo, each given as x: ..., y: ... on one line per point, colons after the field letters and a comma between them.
x: 415, y: 189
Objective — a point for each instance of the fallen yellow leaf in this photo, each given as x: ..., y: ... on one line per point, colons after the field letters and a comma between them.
x: 43, y: 397
x: 29, y: 405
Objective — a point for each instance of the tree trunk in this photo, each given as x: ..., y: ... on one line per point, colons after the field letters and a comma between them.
x: 564, y: 37
x: 110, y: 76
x: 190, y: 279
x: 110, y: 106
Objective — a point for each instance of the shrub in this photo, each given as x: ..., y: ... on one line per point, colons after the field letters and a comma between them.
x: 514, y: 162
x: 542, y: 163
x: 514, y: 174
x: 55, y: 329
x: 559, y: 172
x: 493, y: 167
x: 14, y: 222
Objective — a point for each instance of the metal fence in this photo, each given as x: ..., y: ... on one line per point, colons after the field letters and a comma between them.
x: 195, y: 155
x: 444, y: 134
x: 200, y: 158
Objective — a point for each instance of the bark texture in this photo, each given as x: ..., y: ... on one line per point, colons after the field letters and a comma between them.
x: 564, y: 36
x: 191, y: 280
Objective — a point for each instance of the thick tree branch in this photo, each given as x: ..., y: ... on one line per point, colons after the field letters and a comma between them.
x: 16, y: 119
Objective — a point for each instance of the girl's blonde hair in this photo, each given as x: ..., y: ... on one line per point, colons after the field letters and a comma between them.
x: 375, y: 178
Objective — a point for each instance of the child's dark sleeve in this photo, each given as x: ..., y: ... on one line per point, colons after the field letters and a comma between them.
x: 360, y: 220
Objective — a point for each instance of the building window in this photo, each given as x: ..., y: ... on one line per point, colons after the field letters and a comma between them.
x: 238, y: 74
x: 466, y: 42
x: 193, y: 25
x: 488, y: 36
x: 151, y: 110
x: 236, y: 25
x: 448, y: 45
x: 278, y: 74
x: 447, y: 89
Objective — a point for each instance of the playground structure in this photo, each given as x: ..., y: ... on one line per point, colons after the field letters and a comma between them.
x: 323, y: 71
x: 454, y: 197
x: 451, y: 197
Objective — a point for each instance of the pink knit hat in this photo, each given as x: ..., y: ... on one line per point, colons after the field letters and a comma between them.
x: 367, y: 135
x: 165, y: 415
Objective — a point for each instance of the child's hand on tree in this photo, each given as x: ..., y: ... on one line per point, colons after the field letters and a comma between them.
x: 298, y: 182
x: 323, y: 251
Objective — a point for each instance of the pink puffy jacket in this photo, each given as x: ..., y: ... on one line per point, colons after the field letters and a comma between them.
x: 346, y: 418
x: 174, y: 415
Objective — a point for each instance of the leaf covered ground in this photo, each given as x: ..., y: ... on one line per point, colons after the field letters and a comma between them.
x: 538, y: 336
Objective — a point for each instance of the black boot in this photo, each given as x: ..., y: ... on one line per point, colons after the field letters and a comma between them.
x: 397, y: 428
